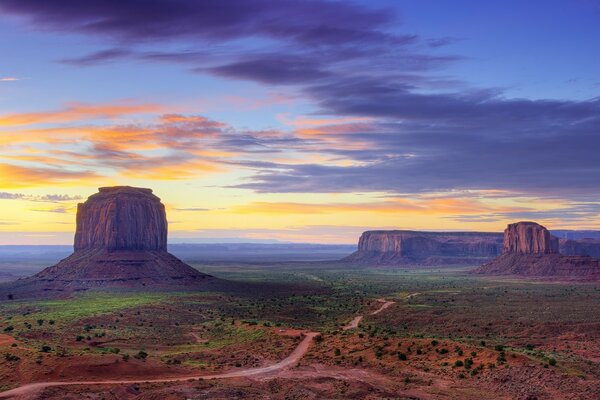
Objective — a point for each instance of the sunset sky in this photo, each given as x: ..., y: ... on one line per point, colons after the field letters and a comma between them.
x: 303, y: 121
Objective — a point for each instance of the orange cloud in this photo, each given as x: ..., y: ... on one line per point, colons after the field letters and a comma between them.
x: 77, y: 112
x: 13, y: 176
x: 393, y: 206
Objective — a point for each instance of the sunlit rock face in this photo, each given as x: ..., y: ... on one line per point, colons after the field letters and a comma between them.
x: 121, y: 218
x: 120, y: 243
x: 530, y: 250
x: 426, y: 248
x: 529, y: 238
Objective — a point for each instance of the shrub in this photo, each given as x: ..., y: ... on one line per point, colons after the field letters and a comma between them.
x: 45, y: 349
x: 79, y: 338
x: 458, y: 363
x: 141, y: 355
x: 468, y: 363
x: 10, y: 357
x: 499, y: 347
x: 434, y: 342
x: 443, y: 351
x: 40, y: 322
x: 402, y: 356
x: 9, y: 328
x: 552, y: 361
x: 337, y: 352
x: 419, y: 352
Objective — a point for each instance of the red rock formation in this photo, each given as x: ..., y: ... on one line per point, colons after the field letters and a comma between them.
x: 529, y: 238
x: 120, y: 241
x: 121, y: 218
x: 426, y: 248
x: 530, y: 250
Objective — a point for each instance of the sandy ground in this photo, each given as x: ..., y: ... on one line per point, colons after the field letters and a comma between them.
x: 30, y: 391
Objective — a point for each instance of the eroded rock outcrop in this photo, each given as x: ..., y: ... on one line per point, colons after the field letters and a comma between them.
x: 530, y: 250
x: 529, y: 238
x: 120, y: 242
x: 121, y: 218
x: 426, y: 248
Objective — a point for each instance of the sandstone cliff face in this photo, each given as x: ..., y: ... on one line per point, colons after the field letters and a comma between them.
x: 121, y: 218
x: 529, y: 238
x: 426, y: 248
x: 530, y: 250
x: 120, y: 242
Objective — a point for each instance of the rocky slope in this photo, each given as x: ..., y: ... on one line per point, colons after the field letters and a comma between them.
x: 530, y: 250
x: 120, y: 242
x: 426, y: 248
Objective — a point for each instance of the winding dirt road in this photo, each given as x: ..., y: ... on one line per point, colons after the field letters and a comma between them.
x: 30, y: 390
x: 385, y: 305
x: 356, y: 320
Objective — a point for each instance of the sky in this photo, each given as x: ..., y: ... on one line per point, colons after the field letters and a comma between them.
x: 304, y: 120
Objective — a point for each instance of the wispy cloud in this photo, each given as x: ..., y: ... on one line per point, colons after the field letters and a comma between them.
x: 9, y: 79
x: 49, y: 198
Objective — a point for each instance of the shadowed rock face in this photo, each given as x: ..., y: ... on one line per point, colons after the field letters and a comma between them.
x: 580, y: 247
x: 121, y: 218
x: 530, y: 250
x: 529, y: 238
x: 120, y: 242
x: 426, y: 248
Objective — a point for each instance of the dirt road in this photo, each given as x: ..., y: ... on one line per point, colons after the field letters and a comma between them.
x: 356, y: 320
x: 385, y: 305
x: 31, y: 390
x: 354, y: 323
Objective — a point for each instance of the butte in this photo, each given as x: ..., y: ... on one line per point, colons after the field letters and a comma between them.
x: 120, y: 244
x: 530, y: 250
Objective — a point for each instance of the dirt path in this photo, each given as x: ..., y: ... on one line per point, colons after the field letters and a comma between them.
x: 29, y: 391
x: 354, y: 323
x: 385, y: 305
x: 356, y: 320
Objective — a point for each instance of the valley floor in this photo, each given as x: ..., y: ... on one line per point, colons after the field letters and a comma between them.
x: 438, y: 333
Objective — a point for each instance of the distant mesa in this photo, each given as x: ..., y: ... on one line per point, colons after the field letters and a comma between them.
x: 530, y: 250
x: 120, y: 242
x: 414, y: 248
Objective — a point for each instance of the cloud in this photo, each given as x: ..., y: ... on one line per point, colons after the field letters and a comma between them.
x: 50, y: 198
x: 98, y: 57
x: 9, y: 79
x: 302, y: 21
x: 395, y: 123
x: 11, y: 196
x: 58, y: 210
x: 13, y: 176
x: 77, y: 112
